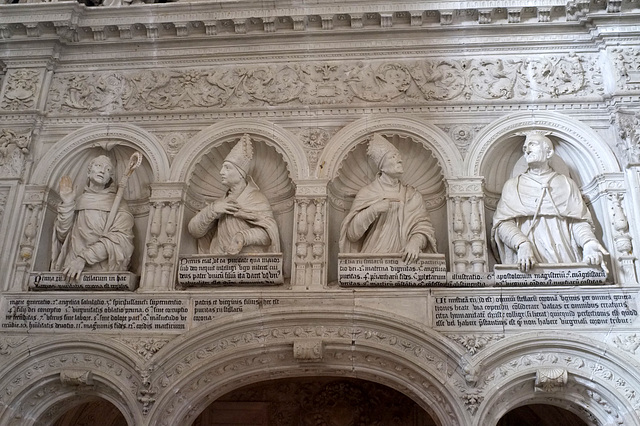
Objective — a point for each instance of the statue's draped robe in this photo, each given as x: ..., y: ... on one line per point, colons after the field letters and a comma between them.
x: 260, y: 232
x: 363, y: 232
x: 561, y: 226
x: 79, y: 229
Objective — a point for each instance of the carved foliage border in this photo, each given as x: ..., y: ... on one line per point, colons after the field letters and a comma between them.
x: 402, y: 82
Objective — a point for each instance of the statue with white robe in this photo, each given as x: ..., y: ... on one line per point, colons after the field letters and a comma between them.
x: 387, y: 216
x: 242, y: 220
x: 541, y: 216
x: 80, y: 241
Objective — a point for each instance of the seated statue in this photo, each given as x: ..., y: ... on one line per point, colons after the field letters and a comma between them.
x: 80, y: 241
x: 387, y: 216
x: 242, y: 221
x: 541, y: 216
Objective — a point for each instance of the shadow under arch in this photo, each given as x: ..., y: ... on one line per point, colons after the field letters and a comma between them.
x: 65, y: 152
x: 584, y: 150
x: 226, y: 355
x: 506, y: 373
x: 37, y: 393
x: 431, y: 137
x: 285, y: 143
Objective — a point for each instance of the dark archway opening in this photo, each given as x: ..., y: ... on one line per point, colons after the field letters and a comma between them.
x: 314, y: 401
x: 540, y: 415
x: 90, y: 413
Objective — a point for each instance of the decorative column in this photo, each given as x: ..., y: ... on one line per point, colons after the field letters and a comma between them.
x: 163, y: 234
x: 310, y: 230
x: 467, y: 235
x: 626, y: 220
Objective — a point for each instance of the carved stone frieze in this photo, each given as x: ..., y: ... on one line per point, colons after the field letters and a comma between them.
x: 145, y: 347
x: 14, y: 150
x: 21, y: 90
x: 8, y: 343
x: 627, y: 66
x: 629, y: 343
x: 628, y: 123
x: 405, y: 82
x: 474, y: 343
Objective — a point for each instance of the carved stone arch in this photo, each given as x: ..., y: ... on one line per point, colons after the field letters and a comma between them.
x: 431, y: 137
x: 285, y: 143
x: 46, y: 380
x: 497, y: 148
x: 598, y: 387
x: 67, y: 150
x: 214, y: 360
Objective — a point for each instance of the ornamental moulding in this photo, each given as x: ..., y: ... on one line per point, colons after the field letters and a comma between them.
x: 406, y: 83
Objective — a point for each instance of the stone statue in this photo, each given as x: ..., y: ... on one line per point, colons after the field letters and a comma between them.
x: 387, y: 216
x: 241, y: 221
x: 93, y: 233
x: 541, y: 216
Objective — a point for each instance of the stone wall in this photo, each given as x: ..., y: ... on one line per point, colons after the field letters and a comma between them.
x: 454, y: 88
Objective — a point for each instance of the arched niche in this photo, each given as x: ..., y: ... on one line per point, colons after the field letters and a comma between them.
x: 537, y: 414
x: 71, y: 156
x: 269, y: 170
x: 52, y: 376
x: 600, y: 390
x: 216, y: 359
x: 580, y: 153
x: 422, y: 170
x: 88, y: 409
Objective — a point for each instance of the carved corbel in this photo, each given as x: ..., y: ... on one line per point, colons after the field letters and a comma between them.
x: 550, y: 379
x: 76, y: 377
x: 308, y: 350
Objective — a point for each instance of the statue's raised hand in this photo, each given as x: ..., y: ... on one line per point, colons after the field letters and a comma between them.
x: 66, y: 190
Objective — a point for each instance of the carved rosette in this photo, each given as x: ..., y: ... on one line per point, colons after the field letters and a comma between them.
x: 21, y: 90
x: 468, y: 248
x: 161, y: 255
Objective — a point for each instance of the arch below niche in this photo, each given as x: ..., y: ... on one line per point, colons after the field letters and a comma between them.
x: 588, y: 155
x: 597, y: 386
x: 285, y: 143
x: 65, y: 152
x: 37, y: 393
x: 431, y: 137
x: 218, y: 358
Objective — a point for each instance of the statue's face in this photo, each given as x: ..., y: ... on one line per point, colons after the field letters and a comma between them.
x: 100, y: 172
x: 535, y: 150
x: 230, y: 174
x: 392, y: 164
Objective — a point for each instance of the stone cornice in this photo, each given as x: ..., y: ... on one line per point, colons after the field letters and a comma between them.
x: 74, y: 22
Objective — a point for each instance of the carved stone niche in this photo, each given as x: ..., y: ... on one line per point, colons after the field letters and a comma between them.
x: 359, y: 173
x: 508, y: 178
x: 207, y: 258
x: 121, y: 265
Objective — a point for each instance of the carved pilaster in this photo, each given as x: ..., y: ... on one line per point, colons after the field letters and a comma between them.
x: 468, y: 248
x: 32, y: 213
x: 163, y: 233
x: 622, y: 238
x: 310, y: 254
